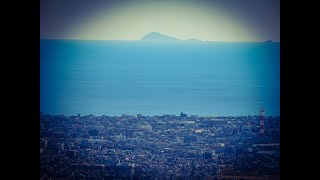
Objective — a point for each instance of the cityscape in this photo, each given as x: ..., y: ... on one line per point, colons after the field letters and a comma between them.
x: 159, y: 147
x: 159, y: 90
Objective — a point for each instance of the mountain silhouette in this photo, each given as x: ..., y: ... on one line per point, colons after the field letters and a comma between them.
x: 155, y: 36
x: 158, y: 37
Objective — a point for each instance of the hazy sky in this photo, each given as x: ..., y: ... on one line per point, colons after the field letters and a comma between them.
x: 212, y: 20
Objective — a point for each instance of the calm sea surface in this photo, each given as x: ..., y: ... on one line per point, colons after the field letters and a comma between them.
x: 112, y: 78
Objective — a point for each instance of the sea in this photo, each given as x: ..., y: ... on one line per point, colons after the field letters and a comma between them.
x: 153, y: 78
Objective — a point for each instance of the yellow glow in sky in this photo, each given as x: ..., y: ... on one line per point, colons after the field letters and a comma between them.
x: 181, y: 20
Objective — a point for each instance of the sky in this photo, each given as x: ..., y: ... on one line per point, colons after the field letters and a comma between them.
x: 208, y: 20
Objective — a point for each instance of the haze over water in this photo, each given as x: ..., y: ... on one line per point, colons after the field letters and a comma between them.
x: 116, y: 77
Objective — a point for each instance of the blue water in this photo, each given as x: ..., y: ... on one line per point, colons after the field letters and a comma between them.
x: 112, y: 78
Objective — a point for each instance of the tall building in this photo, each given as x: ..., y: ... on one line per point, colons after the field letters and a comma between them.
x: 262, y: 122
x: 183, y: 115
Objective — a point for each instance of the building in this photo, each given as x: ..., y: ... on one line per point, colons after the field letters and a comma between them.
x: 182, y: 115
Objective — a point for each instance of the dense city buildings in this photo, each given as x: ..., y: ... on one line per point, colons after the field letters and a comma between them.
x: 158, y: 147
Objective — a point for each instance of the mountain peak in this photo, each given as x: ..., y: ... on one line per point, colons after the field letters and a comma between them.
x: 155, y: 36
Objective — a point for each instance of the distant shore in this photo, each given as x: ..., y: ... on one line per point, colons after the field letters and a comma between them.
x: 148, y: 116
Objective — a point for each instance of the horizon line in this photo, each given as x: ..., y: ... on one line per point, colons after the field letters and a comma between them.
x: 161, y: 41
x: 112, y: 115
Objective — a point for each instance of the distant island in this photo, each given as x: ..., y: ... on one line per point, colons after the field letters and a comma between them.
x: 158, y: 37
x: 155, y: 36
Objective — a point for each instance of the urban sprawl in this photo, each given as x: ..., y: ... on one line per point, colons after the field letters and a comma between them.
x: 159, y: 147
